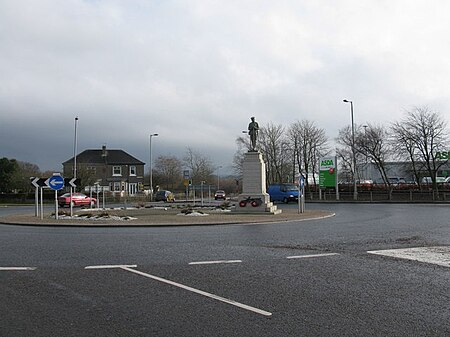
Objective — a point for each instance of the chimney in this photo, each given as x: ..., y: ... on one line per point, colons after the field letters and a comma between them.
x: 104, y: 152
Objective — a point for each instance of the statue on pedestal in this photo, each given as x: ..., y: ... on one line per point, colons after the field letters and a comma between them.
x: 253, y: 129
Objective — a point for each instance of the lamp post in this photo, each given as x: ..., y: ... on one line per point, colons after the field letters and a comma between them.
x: 75, y: 141
x: 355, y: 191
x: 249, y: 145
x: 218, y: 168
x: 365, y: 151
x: 75, y: 150
x: 151, y: 169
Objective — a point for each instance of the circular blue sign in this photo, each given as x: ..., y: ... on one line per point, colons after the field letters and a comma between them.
x: 55, y: 182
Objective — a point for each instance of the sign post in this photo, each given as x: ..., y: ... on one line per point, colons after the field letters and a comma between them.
x: 38, y: 183
x: 35, y: 183
x: 72, y: 182
x: 55, y: 182
x: 186, y: 177
x: 301, y: 194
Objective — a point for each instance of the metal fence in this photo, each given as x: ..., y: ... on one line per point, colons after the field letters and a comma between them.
x: 380, y: 196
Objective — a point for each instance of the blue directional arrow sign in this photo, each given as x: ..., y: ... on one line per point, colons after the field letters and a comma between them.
x: 55, y: 182
x: 302, y: 182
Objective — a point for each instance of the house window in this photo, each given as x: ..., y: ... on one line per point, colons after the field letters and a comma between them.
x: 117, y: 170
x: 132, y: 170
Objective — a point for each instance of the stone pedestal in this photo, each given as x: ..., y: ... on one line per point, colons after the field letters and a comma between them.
x: 254, y: 198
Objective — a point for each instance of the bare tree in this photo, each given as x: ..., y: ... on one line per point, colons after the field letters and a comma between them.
x: 374, y: 144
x: 273, y: 147
x: 200, y: 166
x: 425, y: 130
x: 168, y: 170
x: 86, y: 175
x: 308, y: 143
x: 405, y: 148
x: 344, y: 152
x: 243, y: 145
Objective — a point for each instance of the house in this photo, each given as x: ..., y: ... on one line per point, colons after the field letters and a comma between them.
x: 116, y: 169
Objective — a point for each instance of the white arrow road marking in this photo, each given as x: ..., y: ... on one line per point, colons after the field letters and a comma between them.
x: 16, y: 268
x: 215, y: 262
x: 179, y: 285
x: 434, y: 255
x: 311, y: 255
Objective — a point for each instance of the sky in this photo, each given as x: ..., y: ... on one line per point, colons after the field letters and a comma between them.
x: 195, y: 71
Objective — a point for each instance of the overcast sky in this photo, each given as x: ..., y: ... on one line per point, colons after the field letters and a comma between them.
x: 196, y: 71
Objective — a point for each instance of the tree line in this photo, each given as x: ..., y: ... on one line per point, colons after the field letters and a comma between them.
x: 15, y: 175
x: 417, y: 139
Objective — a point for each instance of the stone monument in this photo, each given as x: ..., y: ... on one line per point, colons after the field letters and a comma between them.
x: 254, y: 198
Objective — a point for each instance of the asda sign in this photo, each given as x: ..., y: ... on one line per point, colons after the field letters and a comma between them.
x: 443, y: 155
x: 328, y: 172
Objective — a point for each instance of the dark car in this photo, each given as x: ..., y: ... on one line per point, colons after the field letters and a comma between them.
x: 220, y: 194
x: 78, y: 199
x: 164, y: 196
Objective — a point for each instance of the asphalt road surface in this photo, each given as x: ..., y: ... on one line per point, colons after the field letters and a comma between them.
x: 350, y: 275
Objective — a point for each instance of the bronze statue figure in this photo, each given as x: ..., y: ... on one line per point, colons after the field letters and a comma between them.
x: 253, y: 129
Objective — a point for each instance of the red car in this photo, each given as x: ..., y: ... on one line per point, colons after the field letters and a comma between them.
x: 78, y: 199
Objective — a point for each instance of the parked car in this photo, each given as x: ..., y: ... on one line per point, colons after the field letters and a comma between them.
x: 283, y: 192
x: 395, y: 181
x: 164, y: 195
x: 427, y: 180
x: 78, y: 199
x: 220, y: 194
x: 365, y: 184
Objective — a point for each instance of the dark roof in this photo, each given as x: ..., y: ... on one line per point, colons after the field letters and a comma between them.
x: 112, y: 157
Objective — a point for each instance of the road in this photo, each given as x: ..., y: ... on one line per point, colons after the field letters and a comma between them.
x: 311, y: 278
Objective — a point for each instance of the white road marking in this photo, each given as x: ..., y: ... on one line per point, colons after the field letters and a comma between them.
x: 112, y: 266
x: 215, y: 262
x: 434, y: 255
x: 16, y: 268
x: 200, y: 292
x: 311, y: 255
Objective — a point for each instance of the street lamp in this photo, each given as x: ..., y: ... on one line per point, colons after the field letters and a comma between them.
x: 249, y: 145
x: 75, y: 150
x: 365, y: 151
x: 75, y: 141
x: 355, y: 191
x: 151, y: 173
x: 218, y: 168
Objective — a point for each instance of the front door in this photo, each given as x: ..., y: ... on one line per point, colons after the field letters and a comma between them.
x: 132, y: 188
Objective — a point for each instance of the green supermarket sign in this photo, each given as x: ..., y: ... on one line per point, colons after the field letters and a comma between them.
x: 328, y: 172
x: 443, y: 155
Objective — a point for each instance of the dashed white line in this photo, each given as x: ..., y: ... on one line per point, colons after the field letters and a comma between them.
x: 215, y: 262
x: 111, y: 266
x: 16, y: 268
x: 311, y: 255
